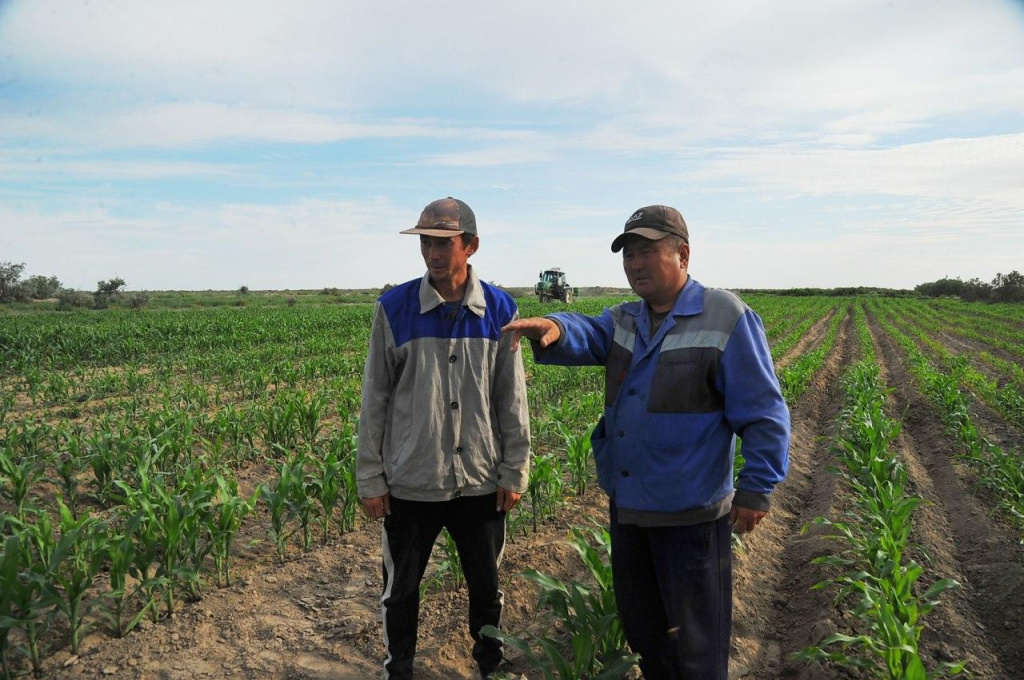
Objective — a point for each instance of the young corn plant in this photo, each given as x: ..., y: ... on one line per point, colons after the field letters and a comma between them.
x: 17, y: 478
x: 279, y: 426
x: 229, y: 511
x: 327, y: 482
x: 592, y: 644
x: 120, y: 549
x: 310, y: 416
x: 10, y: 567
x: 449, y: 569
x: 578, y: 453
x: 343, y: 447
x: 280, y: 499
x: 69, y: 467
x: 545, y: 487
x: 74, y: 564
x: 29, y: 607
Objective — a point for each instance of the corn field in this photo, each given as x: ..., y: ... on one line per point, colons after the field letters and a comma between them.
x: 177, y: 500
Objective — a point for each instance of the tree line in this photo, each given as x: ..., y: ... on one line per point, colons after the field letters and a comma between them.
x: 1003, y: 288
x: 13, y: 288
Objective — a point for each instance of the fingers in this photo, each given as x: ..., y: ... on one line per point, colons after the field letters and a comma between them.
x: 550, y: 336
x: 543, y: 330
x: 378, y: 507
x: 516, y: 337
x: 506, y: 500
x: 745, y: 520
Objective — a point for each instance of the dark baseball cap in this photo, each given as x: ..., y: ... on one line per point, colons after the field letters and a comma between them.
x: 653, y: 222
x: 445, y: 217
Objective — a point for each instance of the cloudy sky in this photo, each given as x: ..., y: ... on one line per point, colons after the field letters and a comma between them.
x: 199, y: 144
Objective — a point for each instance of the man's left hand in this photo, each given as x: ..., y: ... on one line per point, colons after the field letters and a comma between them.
x: 507, y: 499
x: 744, y: 519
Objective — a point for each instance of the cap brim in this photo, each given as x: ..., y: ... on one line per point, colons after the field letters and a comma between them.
x: 425, y: 231
x: 643, y: 232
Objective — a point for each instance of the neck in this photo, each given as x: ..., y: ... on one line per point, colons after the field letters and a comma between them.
x: 664, y: 305
x: 453, y: 289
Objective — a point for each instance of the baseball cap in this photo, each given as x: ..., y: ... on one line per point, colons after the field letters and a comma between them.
x: 653, y: 222
x: 445, y: 217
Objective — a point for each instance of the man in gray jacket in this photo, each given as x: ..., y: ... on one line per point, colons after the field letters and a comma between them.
x: 444, y: 434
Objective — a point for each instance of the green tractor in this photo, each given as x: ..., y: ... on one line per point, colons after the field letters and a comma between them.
x: 553, y: 286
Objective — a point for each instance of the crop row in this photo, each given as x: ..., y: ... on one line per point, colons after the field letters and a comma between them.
x: 875, y: 573
x: 998, y: 469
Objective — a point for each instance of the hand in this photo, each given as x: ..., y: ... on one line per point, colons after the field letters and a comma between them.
x: 744, y: 519
x: 507, y: 499
x: 377, y: 507
x: 543, y: 330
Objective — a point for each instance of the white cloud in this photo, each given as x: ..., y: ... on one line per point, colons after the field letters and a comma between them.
x: 187, y: 123
x: 746, y: 68
x: 983, y: 169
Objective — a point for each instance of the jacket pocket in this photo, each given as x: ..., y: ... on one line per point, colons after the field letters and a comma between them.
x: 684, y: 382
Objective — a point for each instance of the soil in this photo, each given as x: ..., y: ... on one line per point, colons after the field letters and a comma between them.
x: 317, y: 614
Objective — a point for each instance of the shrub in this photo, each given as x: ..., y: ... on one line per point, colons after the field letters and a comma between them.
x: 290, y: 301
x: 138, y: 300
x: 68, y: 299
x: 42, y: 287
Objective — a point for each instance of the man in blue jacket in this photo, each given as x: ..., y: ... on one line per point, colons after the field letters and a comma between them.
x: 687, y: 371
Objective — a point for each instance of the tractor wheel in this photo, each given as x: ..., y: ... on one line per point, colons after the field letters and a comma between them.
x: 540, y: 297
x: 568, y: 296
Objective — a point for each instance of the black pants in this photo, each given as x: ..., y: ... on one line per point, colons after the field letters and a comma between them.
x: 408, y: 537
x: 673, y: 587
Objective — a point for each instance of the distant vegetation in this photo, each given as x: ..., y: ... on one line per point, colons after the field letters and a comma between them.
x: 1004, y: 288
x: 48, y: 293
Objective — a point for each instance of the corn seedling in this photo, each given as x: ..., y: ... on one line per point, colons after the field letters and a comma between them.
x: 17, y: 478
x: 120, y: 549
x: 229, y: 510
x: 74, y: 564
x: 29, y: 607
x: 281, y: 498
x: 578, y: 450
x: 449, y: 569
x: 594, y: 645
x: 10, y: 563
x: 328, y: 484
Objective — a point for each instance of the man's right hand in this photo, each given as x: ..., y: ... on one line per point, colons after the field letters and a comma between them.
x: 377, y: 507
x: 539, y: 328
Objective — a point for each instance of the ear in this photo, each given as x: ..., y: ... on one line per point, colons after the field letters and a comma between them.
x: 474, y: 245
x: 684, y: 255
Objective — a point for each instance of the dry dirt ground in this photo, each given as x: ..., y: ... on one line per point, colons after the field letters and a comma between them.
x: 316, y: 615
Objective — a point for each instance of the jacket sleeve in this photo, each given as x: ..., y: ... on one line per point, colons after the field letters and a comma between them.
x: 513, y: 415
x: 378, y: 384
x: 755, y: 410
x: 584, y: 340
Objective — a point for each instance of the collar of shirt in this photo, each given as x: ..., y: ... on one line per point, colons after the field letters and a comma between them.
x: 473, y: 299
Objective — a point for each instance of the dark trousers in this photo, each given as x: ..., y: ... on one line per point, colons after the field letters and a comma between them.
x: 408, y: 537
x: 673, y: 587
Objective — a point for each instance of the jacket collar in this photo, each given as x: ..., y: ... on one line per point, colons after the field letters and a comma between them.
x: 474, y: 298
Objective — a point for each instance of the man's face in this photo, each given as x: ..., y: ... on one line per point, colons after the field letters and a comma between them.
x: 656, y: 270
x: 446, y: 258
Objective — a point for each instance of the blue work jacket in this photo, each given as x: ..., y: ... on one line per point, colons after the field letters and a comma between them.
x: 675, y: 402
